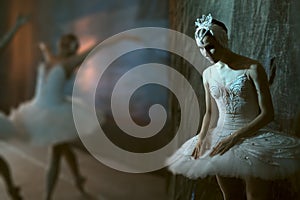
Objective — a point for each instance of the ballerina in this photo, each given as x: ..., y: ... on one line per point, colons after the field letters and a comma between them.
x: 47, y: 119
x: 239, y: 151
x: 7, y: 128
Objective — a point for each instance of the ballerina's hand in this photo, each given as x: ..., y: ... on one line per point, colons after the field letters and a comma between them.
x: 42, y: 46
x: 196, y: 152
x: 47, y: 54
x: 223, y: 146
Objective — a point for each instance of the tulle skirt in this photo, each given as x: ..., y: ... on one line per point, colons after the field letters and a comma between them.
x: 269, y: 155
x: 46, y: 124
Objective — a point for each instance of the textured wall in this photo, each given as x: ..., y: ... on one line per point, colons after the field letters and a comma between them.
x: 263, y: 30
x: 266, y: 30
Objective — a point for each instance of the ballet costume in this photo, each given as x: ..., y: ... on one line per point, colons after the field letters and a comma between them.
x: 268, y: 154
x: 47, y: 119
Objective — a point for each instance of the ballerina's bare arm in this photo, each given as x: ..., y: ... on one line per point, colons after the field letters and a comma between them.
x: 9, y: 35
x: 67, y: 63
x: 70, y: 63
x: 47, y: 54
x: 260, y: 81
x: 74, y: 61
x: 206, y: 118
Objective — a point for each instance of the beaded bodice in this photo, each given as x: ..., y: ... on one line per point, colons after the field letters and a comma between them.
x: 236, y: 100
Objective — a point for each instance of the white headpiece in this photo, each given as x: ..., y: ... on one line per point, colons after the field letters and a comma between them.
x: 205, y: 25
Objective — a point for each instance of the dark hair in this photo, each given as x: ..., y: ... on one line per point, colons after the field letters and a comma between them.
x: 69, y: 38
x: 217, y: 22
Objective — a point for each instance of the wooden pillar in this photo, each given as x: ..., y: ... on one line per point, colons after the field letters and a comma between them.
x: 21, y: 55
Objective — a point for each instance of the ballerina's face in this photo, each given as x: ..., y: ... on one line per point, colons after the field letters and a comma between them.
x: 209, y: 48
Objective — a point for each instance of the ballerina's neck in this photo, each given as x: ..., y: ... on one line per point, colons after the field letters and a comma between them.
x: 227, y: 74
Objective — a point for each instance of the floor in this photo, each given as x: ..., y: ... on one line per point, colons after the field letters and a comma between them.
x: 29, y: 165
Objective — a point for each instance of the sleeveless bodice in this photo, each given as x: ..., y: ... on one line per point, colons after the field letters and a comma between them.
x: 50, y: 86
x: 236, y: 101
x: 48, y: 118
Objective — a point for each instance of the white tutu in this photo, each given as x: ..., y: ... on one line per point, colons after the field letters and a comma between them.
x: 48, y: 118
x: 268, y: 155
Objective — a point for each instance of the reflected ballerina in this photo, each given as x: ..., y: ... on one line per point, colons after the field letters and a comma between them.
x: 48, y: 119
